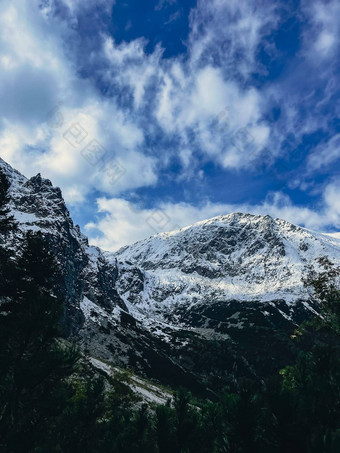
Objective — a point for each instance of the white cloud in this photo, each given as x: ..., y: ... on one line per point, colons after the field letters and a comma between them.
x: 205, y: 102
x: 332, y: 200
x: 215, y: 110
x: 323, y: 36
x: 325, y: 42
x: 124, y: 223
x: 324, y: 154
x: 38, y: 76
x: 235, y: 28
x: 186, y: 96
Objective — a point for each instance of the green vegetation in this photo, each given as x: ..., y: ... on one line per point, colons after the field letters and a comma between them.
x: 52, y: 400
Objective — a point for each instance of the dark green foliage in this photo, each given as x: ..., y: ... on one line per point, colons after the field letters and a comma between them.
x: 33, y: 360
x: 78, y: 427
x: 52, y: 401
x: 312, y: 385
x: 7, y: 223
x: 165, y: 428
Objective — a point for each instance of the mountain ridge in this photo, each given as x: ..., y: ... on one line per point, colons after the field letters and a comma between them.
x: 221, y: 249
x: 190, y: 307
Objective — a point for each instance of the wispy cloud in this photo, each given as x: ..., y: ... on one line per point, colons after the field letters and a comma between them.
x: 220, y: 104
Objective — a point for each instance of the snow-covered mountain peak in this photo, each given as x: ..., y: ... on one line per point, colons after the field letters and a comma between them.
x: 235, y: 279
x: 236, y: 256
x: 233, y: 236
x: 15, y: 178
x: 39, y: 206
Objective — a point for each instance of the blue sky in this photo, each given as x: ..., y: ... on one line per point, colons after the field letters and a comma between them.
x: 153, y: 115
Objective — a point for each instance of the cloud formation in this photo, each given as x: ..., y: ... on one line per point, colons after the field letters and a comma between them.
x: 105, y: 120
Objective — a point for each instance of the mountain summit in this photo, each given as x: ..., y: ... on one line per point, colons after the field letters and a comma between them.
x: 241, y: 256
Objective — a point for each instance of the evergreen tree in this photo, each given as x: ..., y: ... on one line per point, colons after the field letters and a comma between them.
x: 6, y: 220
x: 186, y: 422
x: 80, y: 425
x: 143, y: 431
x: 33, y: 360
x: 312, y: 385
x: 164, y: 428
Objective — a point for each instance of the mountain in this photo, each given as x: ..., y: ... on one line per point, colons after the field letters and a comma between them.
x: 84, y: 272
x: 237, y: 256
x: 196, y: 307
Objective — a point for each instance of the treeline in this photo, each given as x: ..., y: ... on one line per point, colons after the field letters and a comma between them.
x: 51, y: 400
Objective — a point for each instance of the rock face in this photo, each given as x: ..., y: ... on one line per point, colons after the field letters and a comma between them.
x: 195, y: 307
x: 38, y: 206
x: 251, y: 259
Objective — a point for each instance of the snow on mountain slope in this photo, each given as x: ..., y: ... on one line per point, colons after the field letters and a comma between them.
x: 190, y: 307
x: 335, y: 236
x: 145, y: 391
x: 237, y: 256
